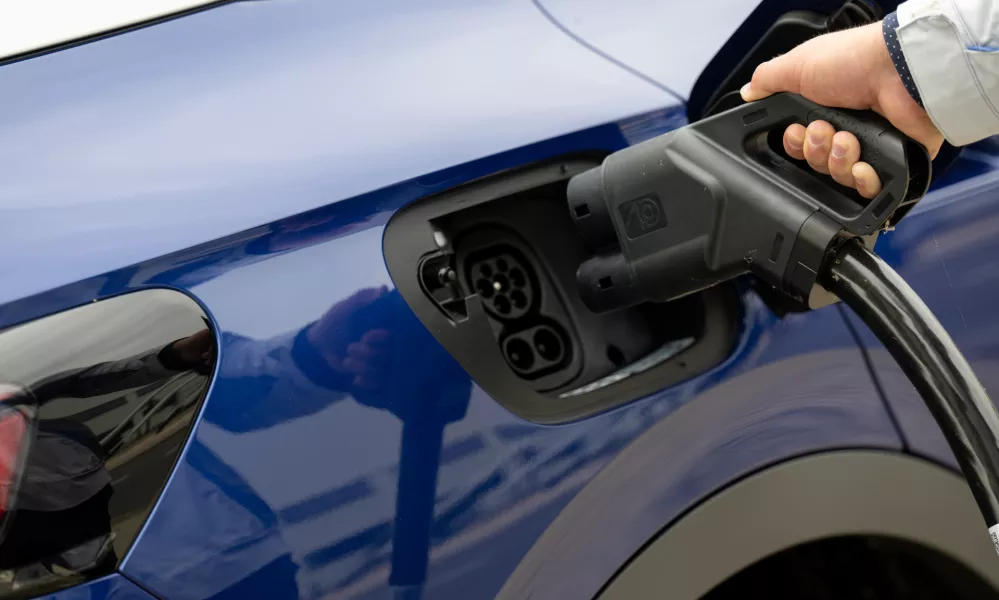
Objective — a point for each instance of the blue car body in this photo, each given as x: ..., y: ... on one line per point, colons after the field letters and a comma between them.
x: 251, y: 155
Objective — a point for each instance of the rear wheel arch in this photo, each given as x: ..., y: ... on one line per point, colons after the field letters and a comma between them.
x: 828, y: 495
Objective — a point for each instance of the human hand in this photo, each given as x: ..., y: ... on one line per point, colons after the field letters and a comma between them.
x: 845, y: 69
x: 196, y: 351
x: 351, y: 345
x: 368, y: 359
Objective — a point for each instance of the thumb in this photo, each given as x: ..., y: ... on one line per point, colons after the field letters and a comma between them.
x: 778, y: 75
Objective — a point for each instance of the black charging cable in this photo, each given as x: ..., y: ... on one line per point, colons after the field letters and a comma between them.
x: 931, y: 361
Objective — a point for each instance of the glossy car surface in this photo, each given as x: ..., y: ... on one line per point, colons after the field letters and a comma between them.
x: 250, y: 156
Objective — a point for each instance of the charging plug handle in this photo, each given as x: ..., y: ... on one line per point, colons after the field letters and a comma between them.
x: 931, y: 361
x: 719, y: 198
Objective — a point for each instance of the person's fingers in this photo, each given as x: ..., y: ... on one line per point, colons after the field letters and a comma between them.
x: 368, y: 382
x: 844, y: 154
x: 364, y: 352
x: 330, y: 332
x: 342, y: 311
x: 377, y: 336
x: 373, y: 343
x: 818, y: 143
x: 866, y: 180
x: 359, y: 351
x: 335, y: 360
x: 794, y: 141
x: 355, y: 365
x: 782, y: 74
x: 750, y: 93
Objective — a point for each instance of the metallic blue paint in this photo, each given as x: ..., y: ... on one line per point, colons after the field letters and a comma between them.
x: 111, y: 587
x: 153, y: 141
x: 312, y: 497
x: 134, y: 162
x: 672, y: 43
x: 797, y: 388
x: 288, y: 486
x: 266, y: 500
x: 664, y: 44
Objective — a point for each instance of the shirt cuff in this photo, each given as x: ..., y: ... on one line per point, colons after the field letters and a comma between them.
x: 889, y: 27
x: 956, y: 78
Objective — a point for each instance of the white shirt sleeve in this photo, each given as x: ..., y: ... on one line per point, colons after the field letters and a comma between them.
x: 951, y: 48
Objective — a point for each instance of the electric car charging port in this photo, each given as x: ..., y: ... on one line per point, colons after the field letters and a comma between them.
x: 490, y: 270
x: 504, y: 280
x: 537, y: 350
x: 520, y: 296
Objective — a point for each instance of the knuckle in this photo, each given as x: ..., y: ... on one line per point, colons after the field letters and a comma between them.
x: 842, y: 178
x: 817, y: 154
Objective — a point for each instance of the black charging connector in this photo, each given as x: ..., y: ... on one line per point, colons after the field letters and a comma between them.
x: 718, y: 199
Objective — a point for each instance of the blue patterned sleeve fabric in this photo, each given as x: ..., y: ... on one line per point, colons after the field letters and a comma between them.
x: 889, y: 27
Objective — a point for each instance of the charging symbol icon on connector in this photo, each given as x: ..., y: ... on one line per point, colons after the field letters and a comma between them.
x: 642, y: 215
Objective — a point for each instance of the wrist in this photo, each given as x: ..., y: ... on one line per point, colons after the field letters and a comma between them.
x: 876, y: 57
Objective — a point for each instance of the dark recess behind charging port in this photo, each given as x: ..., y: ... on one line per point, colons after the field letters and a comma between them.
x: 490, y: 269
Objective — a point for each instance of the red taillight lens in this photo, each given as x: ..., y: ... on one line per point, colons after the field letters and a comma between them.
x: 13, y: 442
x: 13, y: 431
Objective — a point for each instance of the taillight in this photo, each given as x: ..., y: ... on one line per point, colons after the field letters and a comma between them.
x: 13, y: 427
x: 14, y: 440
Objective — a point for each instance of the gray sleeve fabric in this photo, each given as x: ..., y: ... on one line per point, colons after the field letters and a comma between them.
x: 951, y: 51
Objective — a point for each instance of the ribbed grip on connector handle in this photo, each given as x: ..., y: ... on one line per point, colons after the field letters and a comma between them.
x: 902, y: 164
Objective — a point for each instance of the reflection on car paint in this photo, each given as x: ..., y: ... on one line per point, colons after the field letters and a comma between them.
x: 178, y: 134
x: 293, y: 483
x: 115, y: 386
x: 290, y: 486
x: 114, y: 587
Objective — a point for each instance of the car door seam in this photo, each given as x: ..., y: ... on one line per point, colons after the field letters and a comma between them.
x: 551, y: 19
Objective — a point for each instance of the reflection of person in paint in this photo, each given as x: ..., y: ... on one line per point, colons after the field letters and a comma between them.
x: 62, y: 518
x: 343, y: 353
x: 235, y: 543
x: 368, y: 347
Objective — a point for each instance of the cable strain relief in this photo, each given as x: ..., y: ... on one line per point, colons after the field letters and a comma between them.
x: 815, y: 237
